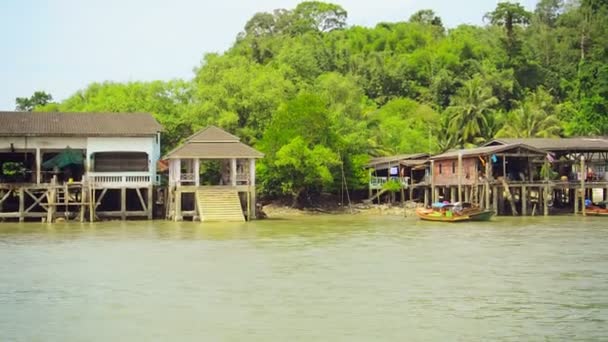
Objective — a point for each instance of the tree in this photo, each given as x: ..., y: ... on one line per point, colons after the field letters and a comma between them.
x: 27, y: 104
x: 469, y: 112
x: 509, y: 15
x: 533, y: 118
x: 427, y: 17
x: 318, y: 16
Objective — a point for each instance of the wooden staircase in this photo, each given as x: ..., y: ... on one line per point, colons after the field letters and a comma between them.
x: 217, y: 204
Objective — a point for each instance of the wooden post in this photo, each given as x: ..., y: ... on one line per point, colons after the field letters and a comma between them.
x: 495, y: 200
x: 38, y: 166
x: 233, y: 171
x: 21, y: 204
x: 487, y: 188
x: 252, y: 190
x: 369, y: 185
x: 83, y: 202
x: 546, y: 199
x: 460, y: 176
x: 524, y: 201
x: 453, y: 194
x: 467, y: 194
x: 178, y: 205
x: 123, y: 203
x: 575, y: 200
x: 583, y: 178
x: 432, y: 175
x: 197, y: 172
x: 92, y: 202
x: 151, y: 200
x: 504, y: 167
x: 426, y: 196
x: 248, y: 196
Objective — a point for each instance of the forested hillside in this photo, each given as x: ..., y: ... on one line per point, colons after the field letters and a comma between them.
x: 317, y: 96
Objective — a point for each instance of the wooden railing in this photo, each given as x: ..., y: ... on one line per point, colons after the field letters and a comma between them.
x: 378, y: 182
x: 119, y: 179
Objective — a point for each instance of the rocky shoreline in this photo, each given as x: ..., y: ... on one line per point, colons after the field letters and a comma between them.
x: 408, y: 209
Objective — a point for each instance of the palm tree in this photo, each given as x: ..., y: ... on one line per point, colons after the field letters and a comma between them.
x: 530, y: 122
x: 533, y: 118
x: 470, y: 110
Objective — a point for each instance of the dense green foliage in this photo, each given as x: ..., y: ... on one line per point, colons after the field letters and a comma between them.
x: 27, y: 104
x: 318, y: 97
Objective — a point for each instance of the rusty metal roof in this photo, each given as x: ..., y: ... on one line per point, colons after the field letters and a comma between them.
x: 213, y: 143
x: 580, y: 144
x: 53, y: 124
x: 488, y: 150
x: 395, y: 160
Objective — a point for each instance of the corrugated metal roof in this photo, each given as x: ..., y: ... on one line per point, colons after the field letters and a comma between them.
x: 487, y: 150
x: 396, y: 159
x: 558, y: 144
x: 213, y: 143
x: 45, y: 124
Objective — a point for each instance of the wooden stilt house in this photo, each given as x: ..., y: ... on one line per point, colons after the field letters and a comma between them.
x: 69, y: 164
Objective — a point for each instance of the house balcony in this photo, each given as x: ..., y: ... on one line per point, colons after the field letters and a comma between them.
x: 378, y: 182
x: 121, y: 179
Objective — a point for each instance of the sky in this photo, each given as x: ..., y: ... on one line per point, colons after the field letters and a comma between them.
x: 61, y: 46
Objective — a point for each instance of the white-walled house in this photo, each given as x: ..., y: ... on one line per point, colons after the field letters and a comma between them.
x: 112, y: 144
x: 117, y: 151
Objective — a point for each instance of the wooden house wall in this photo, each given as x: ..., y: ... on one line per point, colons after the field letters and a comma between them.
x: 445, y: 171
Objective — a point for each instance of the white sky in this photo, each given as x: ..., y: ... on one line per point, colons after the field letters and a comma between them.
x: 60, y: 46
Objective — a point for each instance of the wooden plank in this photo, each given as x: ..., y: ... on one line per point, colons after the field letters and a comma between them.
x: 123, y: 202
x: 141, y: 200
x: 524, y: 201
x: 121, y: 214
x: 101, y: 196
x: 37, y: 201
x: 583, y: 178
x: 460, y: 177
x: 151, y: 201
x: 21, y: 204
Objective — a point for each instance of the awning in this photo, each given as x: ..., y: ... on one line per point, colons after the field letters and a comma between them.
x: 64, y: 158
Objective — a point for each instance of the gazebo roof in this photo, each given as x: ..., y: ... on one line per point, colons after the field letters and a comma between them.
x: 213, y: 143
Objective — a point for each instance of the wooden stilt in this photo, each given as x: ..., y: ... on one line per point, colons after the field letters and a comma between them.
x: 150, y: 202
x: 524, y: 201
x: 509, y: 196
x: 583, y: 176
x: 488, y: 178
x: 495, y: 200
x: 21, y: 205
x: 123, y: 203
x: 178, y: 205
x: 460, y: 177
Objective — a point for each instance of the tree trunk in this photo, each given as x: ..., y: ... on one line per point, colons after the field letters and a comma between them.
x: 295, y: 201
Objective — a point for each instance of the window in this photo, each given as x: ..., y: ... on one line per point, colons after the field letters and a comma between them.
x: 120, y: 162
x: 440, y: 169
x: 453, y: 167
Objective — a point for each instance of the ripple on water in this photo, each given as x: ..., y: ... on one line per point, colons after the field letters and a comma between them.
x: 319, y: 278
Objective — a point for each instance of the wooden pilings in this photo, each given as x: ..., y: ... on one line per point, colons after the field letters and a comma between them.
x: 69, y: 201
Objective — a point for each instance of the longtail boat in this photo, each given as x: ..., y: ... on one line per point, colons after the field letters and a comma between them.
x: 454, y: 213
x: 597, y: 210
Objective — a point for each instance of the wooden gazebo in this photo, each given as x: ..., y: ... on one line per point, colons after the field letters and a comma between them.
x: 193, y: 196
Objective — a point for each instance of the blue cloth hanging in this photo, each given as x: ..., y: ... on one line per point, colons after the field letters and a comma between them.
x: 494, y: 159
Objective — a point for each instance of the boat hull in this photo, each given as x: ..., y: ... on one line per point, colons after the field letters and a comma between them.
x: 431, y: 215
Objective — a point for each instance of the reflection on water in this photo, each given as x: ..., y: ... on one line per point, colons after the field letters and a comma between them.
x: 312, y: 278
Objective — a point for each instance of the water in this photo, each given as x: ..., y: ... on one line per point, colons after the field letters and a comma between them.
x: 317, y: 278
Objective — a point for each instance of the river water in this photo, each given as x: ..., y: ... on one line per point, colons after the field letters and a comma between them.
x: 325, y: 278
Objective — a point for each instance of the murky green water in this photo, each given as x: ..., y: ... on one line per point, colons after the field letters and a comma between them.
x: 319, y: 278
